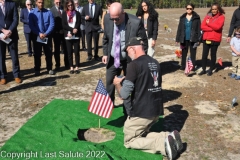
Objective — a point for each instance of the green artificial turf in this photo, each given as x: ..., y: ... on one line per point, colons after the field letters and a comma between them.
x: 52, y: 135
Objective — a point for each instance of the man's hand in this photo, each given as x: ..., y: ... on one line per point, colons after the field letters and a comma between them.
x: 87, y: 17
x: 228, y: 39
x: 104, y: 59
x: 117, y: 81
x: 41, y: 35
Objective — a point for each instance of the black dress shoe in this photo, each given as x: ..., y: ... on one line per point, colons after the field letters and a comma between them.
x: 202, y: 73
x: 71, y: 71
x: 37, y: 73
x: 97, y: 58
x: 84, y: 49
x: 182, y: 68
x: 89, y: 58
x: 209, y: 73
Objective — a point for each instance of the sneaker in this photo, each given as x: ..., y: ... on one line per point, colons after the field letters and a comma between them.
x: 51, y: 72
x: 209, y: 73
x: 178, y: 142
x: 233, y: 75
x: 170, y: 148
x: 237, y: 78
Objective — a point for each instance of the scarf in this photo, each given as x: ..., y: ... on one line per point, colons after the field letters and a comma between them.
x: 70, y: 15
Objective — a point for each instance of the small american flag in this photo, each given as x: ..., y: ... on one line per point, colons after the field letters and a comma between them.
x: 101, y: 104
x: 189, y: 66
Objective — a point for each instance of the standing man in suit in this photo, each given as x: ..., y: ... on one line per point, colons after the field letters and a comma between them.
x: 82, y: 26
x: 27, y: 31
x: 8, y: 28
x: 90, y: 14
x: 119, y: 27
x: 41, y: 22
x: 58, y: 36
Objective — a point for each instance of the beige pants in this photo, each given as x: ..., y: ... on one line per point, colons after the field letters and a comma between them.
x: 151, y: 49
x: 236, y: 65
x: 135, y: 127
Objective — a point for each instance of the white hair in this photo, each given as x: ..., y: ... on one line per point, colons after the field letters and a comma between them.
x: 75, y: 1
x: 28, y: 1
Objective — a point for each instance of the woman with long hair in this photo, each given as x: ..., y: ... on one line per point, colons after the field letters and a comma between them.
x: 149, y: 17
x: 212, y: 27
x: 71, y: 21
x: 188, y: 34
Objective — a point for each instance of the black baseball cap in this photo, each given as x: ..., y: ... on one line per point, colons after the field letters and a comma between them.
x: 134, y: 41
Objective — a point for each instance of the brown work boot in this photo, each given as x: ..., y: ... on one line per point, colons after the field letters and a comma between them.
x: 3, y: 81
x: 18, y: 80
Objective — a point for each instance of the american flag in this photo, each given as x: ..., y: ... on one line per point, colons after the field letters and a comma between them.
x: 101, y: 104
x: 189, y: 66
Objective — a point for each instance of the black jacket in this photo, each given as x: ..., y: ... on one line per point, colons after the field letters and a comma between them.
x: 67, y: 28
x: 235, y: 22
x: 195, y: 30
x: 152, y: 28
x: 93, y: 23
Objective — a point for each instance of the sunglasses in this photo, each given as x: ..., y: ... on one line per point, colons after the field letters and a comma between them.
x: 58, y: 2
x: 70, y: 5
x: 188, y: 8
x: 115, y: 19
x: 29, y: 4
x: 237, y: 34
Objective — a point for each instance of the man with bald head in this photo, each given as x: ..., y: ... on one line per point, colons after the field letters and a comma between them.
x: 141, y: 91
x: 119, y: 27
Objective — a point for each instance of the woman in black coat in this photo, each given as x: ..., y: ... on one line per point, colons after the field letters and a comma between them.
x: 188, y: 33
x: 71, y: 21
x: 149, y: 17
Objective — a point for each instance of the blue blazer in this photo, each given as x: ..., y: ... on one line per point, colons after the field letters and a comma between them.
x: 10, y: 18
x: 24, y: 19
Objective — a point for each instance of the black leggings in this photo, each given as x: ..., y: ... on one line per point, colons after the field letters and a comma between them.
x: 187, y: 45
x: 206, y: 47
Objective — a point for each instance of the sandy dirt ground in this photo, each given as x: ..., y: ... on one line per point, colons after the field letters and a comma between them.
x: 197, y: 106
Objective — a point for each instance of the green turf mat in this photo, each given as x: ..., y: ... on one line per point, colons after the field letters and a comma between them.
x: 52, y: 135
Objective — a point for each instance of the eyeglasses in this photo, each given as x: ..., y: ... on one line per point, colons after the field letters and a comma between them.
x: 29, y: 4
x: 214, y: 9
x: 70, y: 5
x: 57, y: 2
x: 188, y: 8
x: 115, y: 19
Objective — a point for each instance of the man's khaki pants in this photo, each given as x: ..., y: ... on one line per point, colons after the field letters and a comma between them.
x: 135, y: 128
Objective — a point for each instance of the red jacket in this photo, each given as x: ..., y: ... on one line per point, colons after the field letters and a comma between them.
x: 213, y: 30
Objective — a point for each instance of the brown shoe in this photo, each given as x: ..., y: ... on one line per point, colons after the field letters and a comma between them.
x: 3, y: 81
x: 18, y: 80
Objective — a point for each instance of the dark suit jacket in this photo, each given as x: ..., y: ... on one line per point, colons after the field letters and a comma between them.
x: 57, y: 19
x: 10, y: 18
x: 24, y: 19
x: 67, y: 28
x: 93, y: 23
x: 133, y: 28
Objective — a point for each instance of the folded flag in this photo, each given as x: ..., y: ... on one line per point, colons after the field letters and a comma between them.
x: 189, y: 66
x: 101, y: 104
x: 220, y: 61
